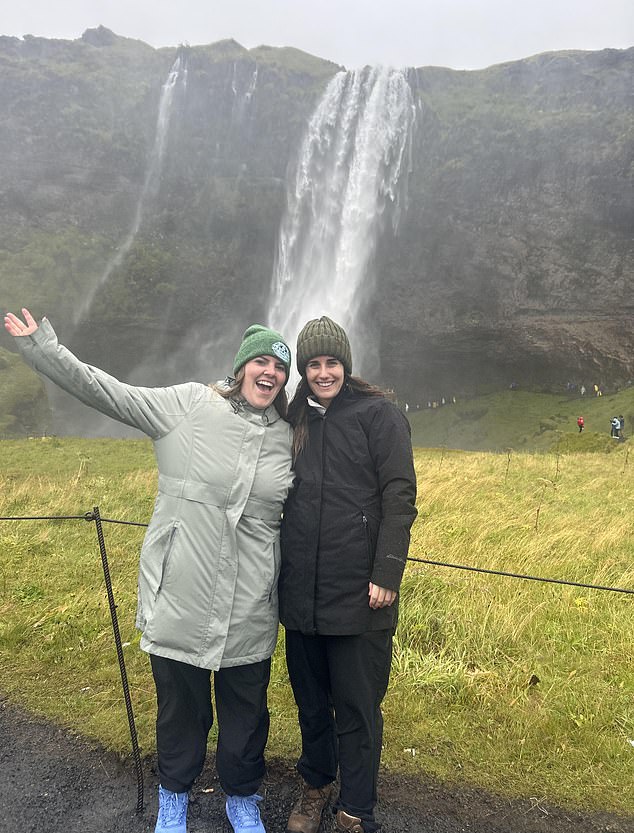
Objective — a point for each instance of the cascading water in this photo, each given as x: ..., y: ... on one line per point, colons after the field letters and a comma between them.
x: 352, y: 174
x: 178, y: 73
x: 242, y: 99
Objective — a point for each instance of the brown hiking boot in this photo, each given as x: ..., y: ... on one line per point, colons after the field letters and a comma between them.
x: 345, y: 823
x: 307, y: 811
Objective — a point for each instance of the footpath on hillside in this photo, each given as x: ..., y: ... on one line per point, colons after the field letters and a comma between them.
x: 54, y: 781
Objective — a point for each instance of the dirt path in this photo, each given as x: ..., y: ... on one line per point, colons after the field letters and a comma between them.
x: 55, y: 782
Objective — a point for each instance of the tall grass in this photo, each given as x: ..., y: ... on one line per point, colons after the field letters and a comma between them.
x: 520, y: 687
x: 524, y: 420
x: 501, y: 675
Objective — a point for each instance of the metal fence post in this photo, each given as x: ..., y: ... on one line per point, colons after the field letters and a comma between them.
x: 124, y: 677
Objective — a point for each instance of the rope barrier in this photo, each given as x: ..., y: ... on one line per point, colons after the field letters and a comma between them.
x: 127, y: 523
x: 88, y: 516
x: 95, y: 517
x: 519, y: 575
x: 124, y: 676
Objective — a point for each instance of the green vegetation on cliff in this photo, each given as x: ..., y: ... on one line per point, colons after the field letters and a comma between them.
x: 513, y: 251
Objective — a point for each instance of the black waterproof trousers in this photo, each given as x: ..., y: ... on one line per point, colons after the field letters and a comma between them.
x: 339, y: 683
x: 185, y: 716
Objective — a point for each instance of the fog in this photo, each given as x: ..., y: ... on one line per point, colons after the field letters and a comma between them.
x: 461, y: 34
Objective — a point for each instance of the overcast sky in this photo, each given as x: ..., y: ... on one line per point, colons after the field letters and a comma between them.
x: 463, y: 34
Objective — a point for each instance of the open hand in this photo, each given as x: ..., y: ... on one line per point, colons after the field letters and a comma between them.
x: 17, y: 327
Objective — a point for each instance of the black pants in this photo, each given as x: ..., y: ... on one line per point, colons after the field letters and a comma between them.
x: 185, y: 716
x: 339, y: 683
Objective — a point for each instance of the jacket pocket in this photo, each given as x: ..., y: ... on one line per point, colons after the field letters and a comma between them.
x: 277, y: 561
x: 368, y: 541
x: 167, y: 556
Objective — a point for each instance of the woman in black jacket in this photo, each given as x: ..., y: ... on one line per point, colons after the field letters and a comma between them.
x: 345, y: 536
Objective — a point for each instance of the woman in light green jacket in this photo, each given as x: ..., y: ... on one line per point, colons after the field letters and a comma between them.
x: 207, y: 594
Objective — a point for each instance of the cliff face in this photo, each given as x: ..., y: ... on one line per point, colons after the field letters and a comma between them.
x: 76, y: 160
x: 513, y: 258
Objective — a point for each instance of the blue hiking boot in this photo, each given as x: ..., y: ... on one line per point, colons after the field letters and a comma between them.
x: 172, y: 814
x: 244, y: 814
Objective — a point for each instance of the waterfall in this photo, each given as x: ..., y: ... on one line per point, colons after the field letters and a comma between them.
x: 242, y: 99
x: 177, y: 73
x: 351, y: 178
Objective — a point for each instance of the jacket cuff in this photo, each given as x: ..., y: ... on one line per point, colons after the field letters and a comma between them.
x: 388, y: 571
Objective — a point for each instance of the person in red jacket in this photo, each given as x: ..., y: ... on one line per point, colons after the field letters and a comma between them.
x: 345, y: 537
x: 581, y: 424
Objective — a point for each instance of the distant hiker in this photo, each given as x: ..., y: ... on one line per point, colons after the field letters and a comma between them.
x: 208, y: 569
x: 582, y: 390
x: 621, y: 424
x: 581, y: 424
x: 615, y: 428
x: 345, y: 537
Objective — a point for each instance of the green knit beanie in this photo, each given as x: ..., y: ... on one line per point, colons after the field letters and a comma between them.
x: 262, y: 341
x: 323, y: 337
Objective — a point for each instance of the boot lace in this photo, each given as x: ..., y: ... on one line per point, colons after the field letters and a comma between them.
x: 173, y: 807
x: 245, y: 808
x: 311, y: 802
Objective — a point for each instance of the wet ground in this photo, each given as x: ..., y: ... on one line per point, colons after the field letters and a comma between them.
x: 53, y: 781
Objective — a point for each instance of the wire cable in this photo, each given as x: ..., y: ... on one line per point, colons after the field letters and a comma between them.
x: 519, y: 575
x: 88, y: 516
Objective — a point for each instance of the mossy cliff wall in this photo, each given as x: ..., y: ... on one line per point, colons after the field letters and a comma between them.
x: 513, y: 258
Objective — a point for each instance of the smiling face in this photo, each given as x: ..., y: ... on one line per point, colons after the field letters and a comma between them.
x: 264, y: 378
x: 325, y: 376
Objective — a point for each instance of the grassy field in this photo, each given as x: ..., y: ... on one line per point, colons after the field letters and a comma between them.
x: 521, y: 687
x: 524, y: 420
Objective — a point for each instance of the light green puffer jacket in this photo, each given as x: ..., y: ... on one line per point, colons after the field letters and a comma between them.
x: 210, y: 560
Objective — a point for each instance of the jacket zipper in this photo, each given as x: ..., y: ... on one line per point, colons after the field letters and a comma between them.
x: 368, y: 541
x: 167, y: 556
x: 272, y: 587
x: 321, y: 496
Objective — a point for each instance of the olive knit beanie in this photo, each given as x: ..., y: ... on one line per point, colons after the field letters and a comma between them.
x: 262, y: 341
x: 323, y: 337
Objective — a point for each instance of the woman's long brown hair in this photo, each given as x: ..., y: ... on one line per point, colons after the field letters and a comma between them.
x: 298, y: 408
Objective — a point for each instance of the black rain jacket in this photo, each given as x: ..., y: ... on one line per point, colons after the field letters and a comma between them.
x: 348, y: 516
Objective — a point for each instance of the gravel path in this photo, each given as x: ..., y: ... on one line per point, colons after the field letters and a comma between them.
x: 54, y: 781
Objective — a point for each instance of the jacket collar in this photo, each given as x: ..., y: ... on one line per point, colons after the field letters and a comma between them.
x: 266, y: 416
x: 313, y: 403
x: 316, y: 411
x: 240, y: 406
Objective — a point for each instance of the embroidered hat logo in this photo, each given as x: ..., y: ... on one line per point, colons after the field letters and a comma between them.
x: 281, y: 351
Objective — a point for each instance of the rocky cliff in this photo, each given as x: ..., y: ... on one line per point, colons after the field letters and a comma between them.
x: 515, y: 257
x: 150, y: 252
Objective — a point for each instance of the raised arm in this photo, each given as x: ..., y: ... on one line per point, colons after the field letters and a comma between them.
x: 155, y: 411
